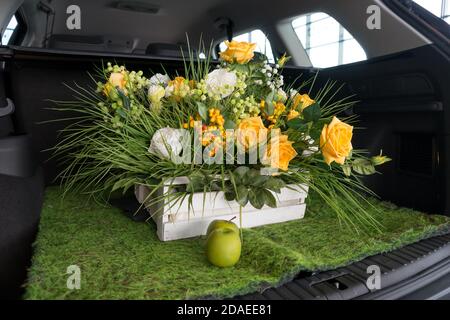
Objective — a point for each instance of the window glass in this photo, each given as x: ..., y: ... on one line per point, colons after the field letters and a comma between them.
x: 255, y: 36
x: 326, y: 42
x: 7, y: 34
x: 325, y: 56
x: 439, y: 8
x: 352, y: 51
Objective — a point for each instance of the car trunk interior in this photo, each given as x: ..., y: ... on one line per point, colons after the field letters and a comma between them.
x: 402, y: 98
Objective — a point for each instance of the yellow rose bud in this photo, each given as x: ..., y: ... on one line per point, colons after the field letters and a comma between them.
x: 304, y: 99
x: 292, y: 114
x: 156, y: 93
x: 248, y: 133
x: 282, y: 61
x: 336, y: 141
x: 285, y: 153
x: 117, y: 79
x: 240, y: 52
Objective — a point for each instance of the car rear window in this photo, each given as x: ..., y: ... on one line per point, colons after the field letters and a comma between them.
x: 326, y: 42
x: 440, y: 8
x: 9, y: 31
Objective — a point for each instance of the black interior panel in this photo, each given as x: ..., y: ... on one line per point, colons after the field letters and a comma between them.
x: 403, y: 109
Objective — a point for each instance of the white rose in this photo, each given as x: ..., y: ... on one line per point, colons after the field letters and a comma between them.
x: 221, y: 82
x: 160, y: 79
x: 166, y: 142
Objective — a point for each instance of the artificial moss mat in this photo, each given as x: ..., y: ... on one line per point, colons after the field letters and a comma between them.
x: 122, y: 259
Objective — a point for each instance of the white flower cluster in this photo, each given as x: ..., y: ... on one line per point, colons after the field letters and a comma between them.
x: 271, y: 77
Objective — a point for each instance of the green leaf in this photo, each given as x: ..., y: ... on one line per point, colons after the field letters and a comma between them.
x: 347, y: 170
x: 250, y: 176
x: 241, y: 67
x: 315, y: 133
x: 312, y: 113
x: 269, y: 198
x: 229, y: 124
x: 298, y: 124
x: 259, y: 181
x: 202, y: 111
x: 242, y: 195
x: 241, y: 171
x: 363, y: 166
x: 196, y: 183
x: 229, y: 195
x: 269, y: 108
x: 256, y: 198
x: 379, y: 160
x: 118, y: 185
x: 125, y: 99
x: 121, y: 113
x: 274, y: 184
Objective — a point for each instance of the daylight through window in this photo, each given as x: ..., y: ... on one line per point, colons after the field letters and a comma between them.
x: 326, y: 42
x: 440, y: 8
x: 9, y: 31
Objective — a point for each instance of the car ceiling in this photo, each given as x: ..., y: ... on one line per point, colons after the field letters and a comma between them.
x: 175, y: 18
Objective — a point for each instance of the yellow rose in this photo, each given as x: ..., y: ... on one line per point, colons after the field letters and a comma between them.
x: 240, y: 52
x: 116, y: 80
x: 248, y: 133
x: 285, y: 153
x: 292, y: 114
x: 304, y: 99
x: 336, y: 141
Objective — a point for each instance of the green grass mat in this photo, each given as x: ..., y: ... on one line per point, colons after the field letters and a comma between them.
x: 122, y: 259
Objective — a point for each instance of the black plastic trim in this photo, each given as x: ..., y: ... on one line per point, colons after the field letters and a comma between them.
x: 396, y: 108
x: 8, y: 109
x: 16, y: 156
x: 403, y: 272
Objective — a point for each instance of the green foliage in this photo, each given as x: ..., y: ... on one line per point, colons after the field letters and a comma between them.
x: 202, y: 111
x: 122, y: 259
x: 248, y: 185
x: 312, y: 113
x: 363, y: 166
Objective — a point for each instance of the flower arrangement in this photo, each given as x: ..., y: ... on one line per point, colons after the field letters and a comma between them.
x: 233, y: 127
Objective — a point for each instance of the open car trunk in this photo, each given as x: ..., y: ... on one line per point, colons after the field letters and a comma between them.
x: 402, y: 103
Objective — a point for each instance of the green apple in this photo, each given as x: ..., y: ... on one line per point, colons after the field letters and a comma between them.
x: 223, y: 247
x: 220, y: 224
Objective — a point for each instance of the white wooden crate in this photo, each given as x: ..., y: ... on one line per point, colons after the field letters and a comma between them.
x: 178, y: 221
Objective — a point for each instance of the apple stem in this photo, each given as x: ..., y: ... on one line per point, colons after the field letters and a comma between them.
x: 232, y: 218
